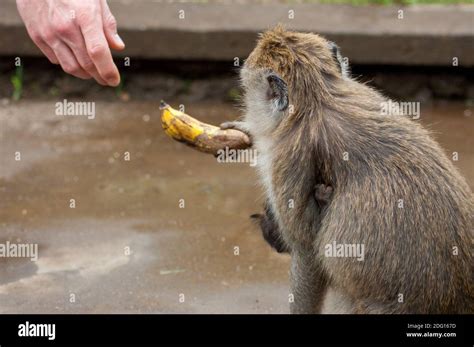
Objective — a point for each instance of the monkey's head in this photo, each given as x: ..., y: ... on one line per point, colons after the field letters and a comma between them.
x: 287, y: 76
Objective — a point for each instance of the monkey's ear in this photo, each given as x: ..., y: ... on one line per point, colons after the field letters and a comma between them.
x: 277, y: 92
x: 336, y: 55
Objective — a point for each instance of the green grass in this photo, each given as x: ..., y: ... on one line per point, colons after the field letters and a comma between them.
x: 233, y: 94
x: 17, y: 82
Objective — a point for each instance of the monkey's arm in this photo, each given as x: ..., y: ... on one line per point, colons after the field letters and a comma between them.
x: 270, y: 230
x: 269, y: 226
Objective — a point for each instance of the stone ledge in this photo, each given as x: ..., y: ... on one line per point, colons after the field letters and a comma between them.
x: 428, y: 34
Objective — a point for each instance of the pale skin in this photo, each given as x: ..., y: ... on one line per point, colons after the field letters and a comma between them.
x: 76, y: 34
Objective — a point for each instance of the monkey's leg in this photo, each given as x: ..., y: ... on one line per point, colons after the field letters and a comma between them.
x: 308, y: 282
x: 337, y: 302
x: 367, y: 306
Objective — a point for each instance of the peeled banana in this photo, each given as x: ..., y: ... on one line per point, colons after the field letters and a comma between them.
x: 201, y: 136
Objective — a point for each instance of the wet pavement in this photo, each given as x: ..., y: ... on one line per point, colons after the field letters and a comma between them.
x: 129, y: 244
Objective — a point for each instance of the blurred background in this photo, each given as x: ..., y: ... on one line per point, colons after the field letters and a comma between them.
x: 127, y: 246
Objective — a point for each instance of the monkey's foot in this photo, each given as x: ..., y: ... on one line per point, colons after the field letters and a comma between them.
x: 322, y: 194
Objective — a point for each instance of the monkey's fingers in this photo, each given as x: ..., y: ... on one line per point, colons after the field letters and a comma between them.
x: 236, y: 125
x: 322, y: 194
x: 227, y: 125
x: 201, y: 136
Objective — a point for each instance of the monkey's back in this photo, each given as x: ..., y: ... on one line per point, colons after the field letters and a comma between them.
x: 400, y: 197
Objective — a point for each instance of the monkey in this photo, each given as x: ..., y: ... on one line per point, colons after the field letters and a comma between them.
x: 393, y: 191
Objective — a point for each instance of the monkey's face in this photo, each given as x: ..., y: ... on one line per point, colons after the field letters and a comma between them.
x: 266, y: 100
x: 286, y: 76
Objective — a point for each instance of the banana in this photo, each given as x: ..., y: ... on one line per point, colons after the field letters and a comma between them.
x: 201, y: 136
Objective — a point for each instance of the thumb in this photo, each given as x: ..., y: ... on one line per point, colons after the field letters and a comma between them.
x: 110, y: 28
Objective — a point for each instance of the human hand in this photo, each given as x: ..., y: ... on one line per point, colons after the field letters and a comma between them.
x: 76, y: 34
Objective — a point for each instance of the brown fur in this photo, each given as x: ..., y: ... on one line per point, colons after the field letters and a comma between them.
x: 408, y: 250
x: 269, y: 225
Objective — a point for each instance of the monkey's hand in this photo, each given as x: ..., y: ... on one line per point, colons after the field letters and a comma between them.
x: 237, y: 125
x: 322, y: 194
x: 270, y: 232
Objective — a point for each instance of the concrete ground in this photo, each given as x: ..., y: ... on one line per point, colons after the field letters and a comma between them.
x: 134, y: 205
